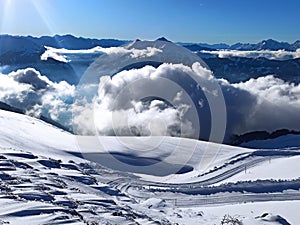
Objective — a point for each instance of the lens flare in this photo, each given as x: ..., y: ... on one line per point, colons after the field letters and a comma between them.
x: 16, y: 13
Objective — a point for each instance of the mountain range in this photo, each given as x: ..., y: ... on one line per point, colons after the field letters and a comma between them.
x: 7, y: 42
x: 268, y: 44
x: 18, y: 52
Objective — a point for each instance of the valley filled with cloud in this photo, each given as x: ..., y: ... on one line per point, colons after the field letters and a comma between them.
x: 117, y: 104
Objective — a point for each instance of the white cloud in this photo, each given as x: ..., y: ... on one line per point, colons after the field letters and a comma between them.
x: 156, y: 101
x: 277, y: 104
x: 61, y: 55
x: 10, y: 87
x: 269, y: 54
x: 51, y: 53
x: 27, y: 89
x: 265, y: 103
x: 120, y: 107
x: 141, y: 53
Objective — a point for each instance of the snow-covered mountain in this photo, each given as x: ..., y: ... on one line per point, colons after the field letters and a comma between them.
x: 268, y: 44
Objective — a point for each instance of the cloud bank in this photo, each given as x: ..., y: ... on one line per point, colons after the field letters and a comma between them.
x: 265, y: 103
x: 157, y: 115
x: 156, y: 101
x: 27, y: 89
x: 62, y: 55
x: 268, y: 54
x: 277, y: 104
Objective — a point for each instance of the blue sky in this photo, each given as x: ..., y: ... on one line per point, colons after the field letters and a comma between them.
x: 210, y: 21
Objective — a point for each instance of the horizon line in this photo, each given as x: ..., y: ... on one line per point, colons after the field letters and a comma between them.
x: 121, y: 39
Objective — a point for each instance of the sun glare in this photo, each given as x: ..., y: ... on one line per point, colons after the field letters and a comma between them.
x: 6, y: 4
x: 12, y: 12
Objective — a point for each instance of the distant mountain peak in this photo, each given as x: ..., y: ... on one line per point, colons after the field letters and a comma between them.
x: 163, y: 39
x: 272, y: 45
x: 270, y: 41
x: 267, y: 44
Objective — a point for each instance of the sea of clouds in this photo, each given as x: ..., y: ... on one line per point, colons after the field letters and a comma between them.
x: 62, y: 54
x: 268, y: 54
x: 121, y: 104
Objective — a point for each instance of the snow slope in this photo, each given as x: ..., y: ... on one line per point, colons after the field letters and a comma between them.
x: 24, y: 132
x: 46, y: 177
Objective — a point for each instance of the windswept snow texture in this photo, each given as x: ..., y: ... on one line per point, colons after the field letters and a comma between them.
x: 46, y: 179
x: 268, y: 54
